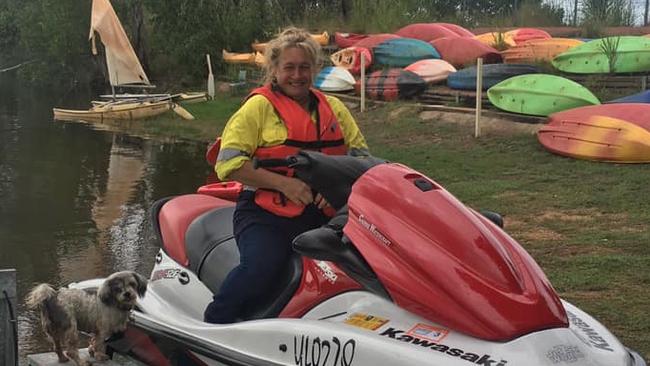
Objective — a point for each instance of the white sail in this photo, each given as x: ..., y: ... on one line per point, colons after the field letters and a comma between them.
x: 123, y: 65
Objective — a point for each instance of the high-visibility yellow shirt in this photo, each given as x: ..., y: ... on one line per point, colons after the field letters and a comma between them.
x: 256, y: 124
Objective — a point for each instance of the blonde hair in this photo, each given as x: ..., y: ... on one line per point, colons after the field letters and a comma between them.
x: 288, y: 38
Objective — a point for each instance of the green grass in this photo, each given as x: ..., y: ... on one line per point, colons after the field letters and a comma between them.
x: 587, y: 224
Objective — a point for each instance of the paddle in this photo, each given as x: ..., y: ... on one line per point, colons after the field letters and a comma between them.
x: 210, y: 78
x: 182, y: 112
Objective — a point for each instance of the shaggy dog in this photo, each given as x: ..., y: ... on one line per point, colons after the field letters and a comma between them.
x: 67, y: 311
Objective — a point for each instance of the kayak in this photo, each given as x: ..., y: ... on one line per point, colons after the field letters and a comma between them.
x: 539, y: 94
x: 345, y: 40
x: 521, y: 35
x: 426, y: 31
x: 120, y: 110
x: 431, y: 70
x: 632, y: 55
x: 350, y: 58
x: 402, y: 52
x: 609, y: 132
x: 463, y: 51
x: 536, y: 50
x: 492, y: 39
x: 374, y: 39
x: 333, y: 79
x: 493, y: 74
x: 238, y: 58
x: 393, y: 84
x: 642, y: 97
x: 460, y: 31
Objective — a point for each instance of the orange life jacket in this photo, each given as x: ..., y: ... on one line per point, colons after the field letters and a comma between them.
x: 302, y: 134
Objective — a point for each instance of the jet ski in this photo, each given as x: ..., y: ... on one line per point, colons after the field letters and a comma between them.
x: 403, y: 274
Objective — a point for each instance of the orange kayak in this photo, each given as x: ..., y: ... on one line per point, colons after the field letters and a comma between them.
x: 350, y: 59
x: 536, y: 50
x: 238, y: 58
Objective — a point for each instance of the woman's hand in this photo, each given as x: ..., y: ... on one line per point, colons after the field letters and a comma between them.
x: 297, y: 191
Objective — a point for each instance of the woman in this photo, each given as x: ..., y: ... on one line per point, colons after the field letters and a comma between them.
x: 278, y: 119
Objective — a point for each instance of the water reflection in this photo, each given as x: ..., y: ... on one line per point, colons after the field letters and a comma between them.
x: 74, y: 201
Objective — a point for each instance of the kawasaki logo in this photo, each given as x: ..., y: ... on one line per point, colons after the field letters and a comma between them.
x: 485, y: 360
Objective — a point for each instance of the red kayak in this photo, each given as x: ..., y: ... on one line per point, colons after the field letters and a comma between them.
x: 393, y: 84
x: 345, y: 40
x: 375, y: 39
x: 425, y: 31
x: 463, y: 51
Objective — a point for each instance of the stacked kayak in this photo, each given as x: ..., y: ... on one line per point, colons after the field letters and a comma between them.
x: 334, y: 79
x: 431, y: 70
x: 350, y: 58
x: 345, y: 40
x: 463, y: 51
x: 608, y: 132
x: 642, y: 97
x: 539, y: 94
x: 522, y: 35
x: 372, y: 40
x: 493, y: 74
x: 426, y: 31
x: 393, y: 84
x: 632, y: 55
x: 493, y: 39
x: 401, y: 52
x: 536, y: 50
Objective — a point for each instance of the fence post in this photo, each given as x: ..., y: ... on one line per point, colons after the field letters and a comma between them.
x: 479, y: 96
x: 362, y: 107
x: 8, y: 316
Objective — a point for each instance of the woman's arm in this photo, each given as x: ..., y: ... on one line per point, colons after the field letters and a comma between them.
x: 294, y: 189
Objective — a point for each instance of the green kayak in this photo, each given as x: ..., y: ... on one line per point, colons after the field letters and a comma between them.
x: 632, y: 55
x: 539, y: 94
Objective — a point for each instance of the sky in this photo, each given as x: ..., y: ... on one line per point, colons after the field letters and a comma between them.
x: 637, y: 5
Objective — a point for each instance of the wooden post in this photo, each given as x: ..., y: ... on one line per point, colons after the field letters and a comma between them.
x: 363, y: 82
x: 644, y: 82
x: 8, y: 316
x: 479, y: 96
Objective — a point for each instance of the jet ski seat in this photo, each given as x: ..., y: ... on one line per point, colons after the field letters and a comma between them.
x: 212, y: 253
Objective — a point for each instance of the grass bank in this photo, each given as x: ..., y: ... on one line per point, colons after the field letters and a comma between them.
x: 587, y: 224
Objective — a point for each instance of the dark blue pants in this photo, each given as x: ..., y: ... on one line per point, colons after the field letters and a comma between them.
x: 264, y: 242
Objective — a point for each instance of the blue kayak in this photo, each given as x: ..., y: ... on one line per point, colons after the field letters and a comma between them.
x: 643, y: 97
x: 493, y: 74
x: 401, y: 52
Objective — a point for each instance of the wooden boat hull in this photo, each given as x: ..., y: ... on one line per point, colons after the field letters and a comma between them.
x: 426, y: 32
x: 430, y: 70
x: 539, y: 95
x: 350, y: 59
x: 609, y: 132
x: 402, y: 52
x: 463, y: 51
x: 632, y: 55
x: 493, y: 74
x: 537, y: 50
x: 115, y: 111
x: 393, y: 84
x: 334, y: 79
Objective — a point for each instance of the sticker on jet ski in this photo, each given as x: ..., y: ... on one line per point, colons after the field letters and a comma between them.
x: 365, y: 321
x: 327, y: 272
x: 483, y: 360
x: 374, y: 231
x: 565, y: 354
x: 166, y: 273
x: 323, y: 352
x: 428, y: 332
x: 594, y: 338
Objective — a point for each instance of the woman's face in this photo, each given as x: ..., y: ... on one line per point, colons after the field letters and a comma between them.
x: 294, y: 73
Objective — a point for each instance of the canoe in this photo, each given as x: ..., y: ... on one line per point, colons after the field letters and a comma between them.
x: 539, y: 94
x: 345, y: 40
x: 632, y: 55
x: 238, y: 58
x: 492, y: 39
x: 521, y: 35
x: 463, y: 51
x: 322, y: 39
x: 431, y: 70
x: 333, y: 79
x: 642, y: 97
x: 609, y: 132
x: 121, y: 110
x: 493, y: 74
x: 393, y: 84
x: 426, y: 32
x: 260, y: 60
x: 460, y: 31
x: 350, y: 58
x: 402, y: 52
x: 375, y: 39
x: 190, y: 97
x: 536, y: 50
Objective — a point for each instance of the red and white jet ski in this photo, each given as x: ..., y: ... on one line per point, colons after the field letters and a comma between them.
x: 404, y: 274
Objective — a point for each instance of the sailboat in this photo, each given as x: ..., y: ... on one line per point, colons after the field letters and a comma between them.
x: 124, y: 70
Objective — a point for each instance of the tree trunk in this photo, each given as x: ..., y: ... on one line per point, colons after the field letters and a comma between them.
x: 345, y: 10
x: 139, y: 36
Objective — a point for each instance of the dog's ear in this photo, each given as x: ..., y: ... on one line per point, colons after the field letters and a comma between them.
x: 142, y: 283
x: 105, y: 293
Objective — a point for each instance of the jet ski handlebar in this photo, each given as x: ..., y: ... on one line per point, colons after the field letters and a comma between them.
x: 289, y: 162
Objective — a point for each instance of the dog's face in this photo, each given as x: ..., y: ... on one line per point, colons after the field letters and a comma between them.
x: 122, y: 289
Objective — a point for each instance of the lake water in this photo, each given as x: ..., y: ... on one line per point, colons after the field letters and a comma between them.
x: 74, y: 201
